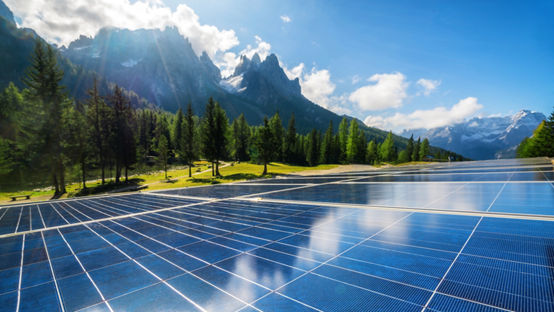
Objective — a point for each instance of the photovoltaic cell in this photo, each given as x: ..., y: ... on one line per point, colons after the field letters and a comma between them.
x: 147, y: 252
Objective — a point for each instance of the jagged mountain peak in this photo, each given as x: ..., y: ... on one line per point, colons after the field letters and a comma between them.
x: 483, y: 137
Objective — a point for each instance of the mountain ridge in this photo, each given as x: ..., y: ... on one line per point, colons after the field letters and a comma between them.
x: 483, y: 137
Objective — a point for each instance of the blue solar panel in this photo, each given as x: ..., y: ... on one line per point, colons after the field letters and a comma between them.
x: 129, y: 253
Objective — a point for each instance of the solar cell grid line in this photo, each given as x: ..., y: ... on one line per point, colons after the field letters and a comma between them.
x: 337, y: 255
x: 461, y: 250
x: 18, y: 221
x: 147, y: 270
x: 52, y: 272
x: 86, y: 272
x: 20, y: 274
x: 222, y: 260
x: 170, y: 262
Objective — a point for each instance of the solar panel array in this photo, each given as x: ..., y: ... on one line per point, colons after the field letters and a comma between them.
x: 474, y: 236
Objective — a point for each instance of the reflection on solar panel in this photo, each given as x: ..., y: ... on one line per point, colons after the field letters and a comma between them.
x: 383, y: 241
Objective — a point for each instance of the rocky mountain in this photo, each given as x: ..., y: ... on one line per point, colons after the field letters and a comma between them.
x: 162, y: 67
x: 483, y: 137
x: 16, y: 49
x: 159, y: 68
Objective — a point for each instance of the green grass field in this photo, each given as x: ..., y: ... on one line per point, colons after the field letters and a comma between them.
x: 177, y: 177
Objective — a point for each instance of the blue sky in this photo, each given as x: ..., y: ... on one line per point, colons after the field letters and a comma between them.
x: 475, y: 57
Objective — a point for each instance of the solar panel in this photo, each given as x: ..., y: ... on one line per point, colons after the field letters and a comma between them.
x: 290, y: 250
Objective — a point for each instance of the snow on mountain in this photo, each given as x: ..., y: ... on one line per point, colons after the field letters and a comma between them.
x: 483, y: 137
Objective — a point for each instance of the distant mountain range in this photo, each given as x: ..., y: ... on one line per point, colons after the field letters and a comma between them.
x: 483, y: 137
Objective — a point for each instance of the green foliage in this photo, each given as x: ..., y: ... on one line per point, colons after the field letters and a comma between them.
x: 424, y: 149
x: 343, y: 138
x: 372, y: 155
x: 241, y: 137
x: 353, y: 142
x: 312, y: 148
x: 163, y: 150
x: 265, y: 144
x: 541, y: 144
x: 415, y: 153
x: 387, y: 151
x: 327, y: 146
x: 278, y: 134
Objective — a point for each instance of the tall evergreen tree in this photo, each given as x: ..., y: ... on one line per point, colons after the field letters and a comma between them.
x: 44, y: 82
x: 163, y: 152
x: 290, y: 148
x: 178, y: 131
x: 79, y: 142
x: 311, y: 148
x: 220, y: 136
x: 98, y: 116
x: 424, y: 149
x: 188, y: 146
x: 410, y: 148
x: 371, y: 153
x: 265, y: 144
x: 278, y: 133
x: 343, y: 138
x: 241, y: 136
x: 208, y: 133
x: 386, y: 152
x: 352, y: 145
x: 415, y: 153
x: 123, y: 138
x: 326, y: 155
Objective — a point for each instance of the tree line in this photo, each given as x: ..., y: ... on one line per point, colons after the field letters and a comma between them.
x: 541, y: 143
x: 44, y: 133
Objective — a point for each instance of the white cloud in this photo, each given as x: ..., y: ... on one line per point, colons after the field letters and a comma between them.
x: 356, y: 79
x: 286, y: 19
x: 388, y: 91
x: 436, y: 117
x: 428, y: 85
x: 229, y: 60
x: 62, y: 21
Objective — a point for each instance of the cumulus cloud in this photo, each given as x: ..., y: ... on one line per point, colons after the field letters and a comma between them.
x: 387, y: 91
x: 62, y: 21
x: 286, y: 19
x: 428, y: 85
x: 317, y: 87
x: 427, y: 119
x: 229, y: 60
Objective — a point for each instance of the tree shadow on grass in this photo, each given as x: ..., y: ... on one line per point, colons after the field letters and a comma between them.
x: 240, y: 176
x: 131, y: 185
x: 204, y: 180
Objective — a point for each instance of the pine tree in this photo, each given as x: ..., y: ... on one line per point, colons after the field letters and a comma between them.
x: 163, y: 151
x: 265, y: 144
x: 178, y: 131
x: 43, y: 79
x: 98, y: 116
x: 424, y: 149
x: 343, y: 139
x: 311, y: 148
x: 220, y: 136
x: 241, y: 136
x: 278, y: 133
x: 123, y: 137
x: 386, y: 153
x: 371, y: 153
x: 290, y: 145
x: 415, y: 153
x: 352, y: 145
x: 188, y: 150
x: 326, y: 155
x: 208, y: 133
x: 79, y: 142
x: 410, y: 148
